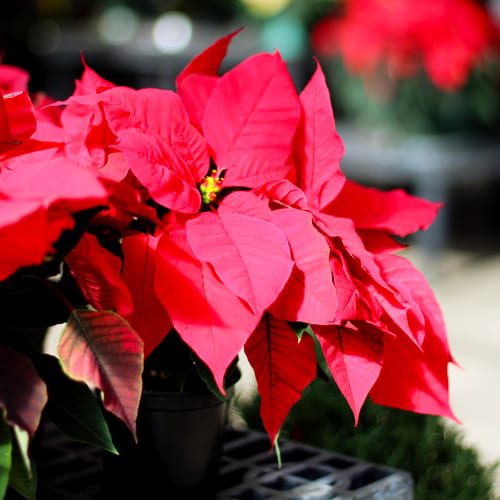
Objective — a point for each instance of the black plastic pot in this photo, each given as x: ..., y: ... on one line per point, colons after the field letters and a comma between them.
x: 179, y: 449
x: 180, y: 443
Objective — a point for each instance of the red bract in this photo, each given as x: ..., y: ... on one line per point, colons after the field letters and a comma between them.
x: 248, y: 225
x: 447, y: 37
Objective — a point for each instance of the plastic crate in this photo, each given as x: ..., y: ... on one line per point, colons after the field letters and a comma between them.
x: 71, y: 470
x: 249, y: 472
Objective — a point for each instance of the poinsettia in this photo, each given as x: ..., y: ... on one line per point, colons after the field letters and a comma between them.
x: 446, y: 37
x: 221, y: 212
x: 229, y: 220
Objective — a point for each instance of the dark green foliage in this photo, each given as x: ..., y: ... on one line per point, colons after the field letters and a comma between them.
x: 443, y: 467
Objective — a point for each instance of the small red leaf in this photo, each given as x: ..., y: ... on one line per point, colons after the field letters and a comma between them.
x: 97, y: 272
x: 319, y: 148
x: 23, y: 393
x: 101, y: 349
x: 149, y: 317
x: 354, y: 358
x: 283, y: 366
x: 284, y: 193
x: 309, y: 296
x: 209, y: 61
x: 393, y: 211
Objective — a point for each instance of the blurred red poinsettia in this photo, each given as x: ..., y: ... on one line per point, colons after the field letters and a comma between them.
x: 446, y: 37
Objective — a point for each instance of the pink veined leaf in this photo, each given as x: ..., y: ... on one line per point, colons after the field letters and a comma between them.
x: 355, y: 358
x: 283, y: 193
x: 309, y: 296
x: 161, y: 171
x: 101, y: 349
x: 393, y: 211
x: 209, y: 317
x: 97, y: 272
x: 258, y: 107
x: 251, y: 256
x: 149, y: 317
x: 319, y: 148
x: 23, y: 393
x: 246, y: 203
x: 283, y: 366
x: 195, y: 91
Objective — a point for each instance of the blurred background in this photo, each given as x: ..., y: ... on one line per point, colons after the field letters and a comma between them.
x: 416, y: 92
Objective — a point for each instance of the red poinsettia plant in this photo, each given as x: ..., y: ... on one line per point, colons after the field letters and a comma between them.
x: 217, y: 215
x: 427, y: 67
x: 449, y: 38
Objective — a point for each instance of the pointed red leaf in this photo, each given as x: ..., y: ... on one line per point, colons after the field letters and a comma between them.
x: 283, y: 366
x: 284, y: 193
x: 354, y: 358
x: 210, y: 318
x: 259, y: 108
x: 101, y: 349
x: 209, y: 61
x: 309, y: 296
x: 90, y: 81
x: 97, y: 272
x: 319, y: 149
x: 251, y: 256
x: 199, y: 78
x: 393, y: 211
x: 149, y: 317
x: 23, y: 393
x: 411, y: 283
x: 414, y: 380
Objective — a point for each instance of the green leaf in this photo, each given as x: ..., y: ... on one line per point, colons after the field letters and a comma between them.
x: 320, y: 357
x: 22, y: 473
x: 206, y: 375
x: 299, y: 328
x: 5, y: 455
x: 73, y: 407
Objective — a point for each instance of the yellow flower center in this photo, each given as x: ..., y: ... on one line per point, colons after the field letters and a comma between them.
x: 210, y: 187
